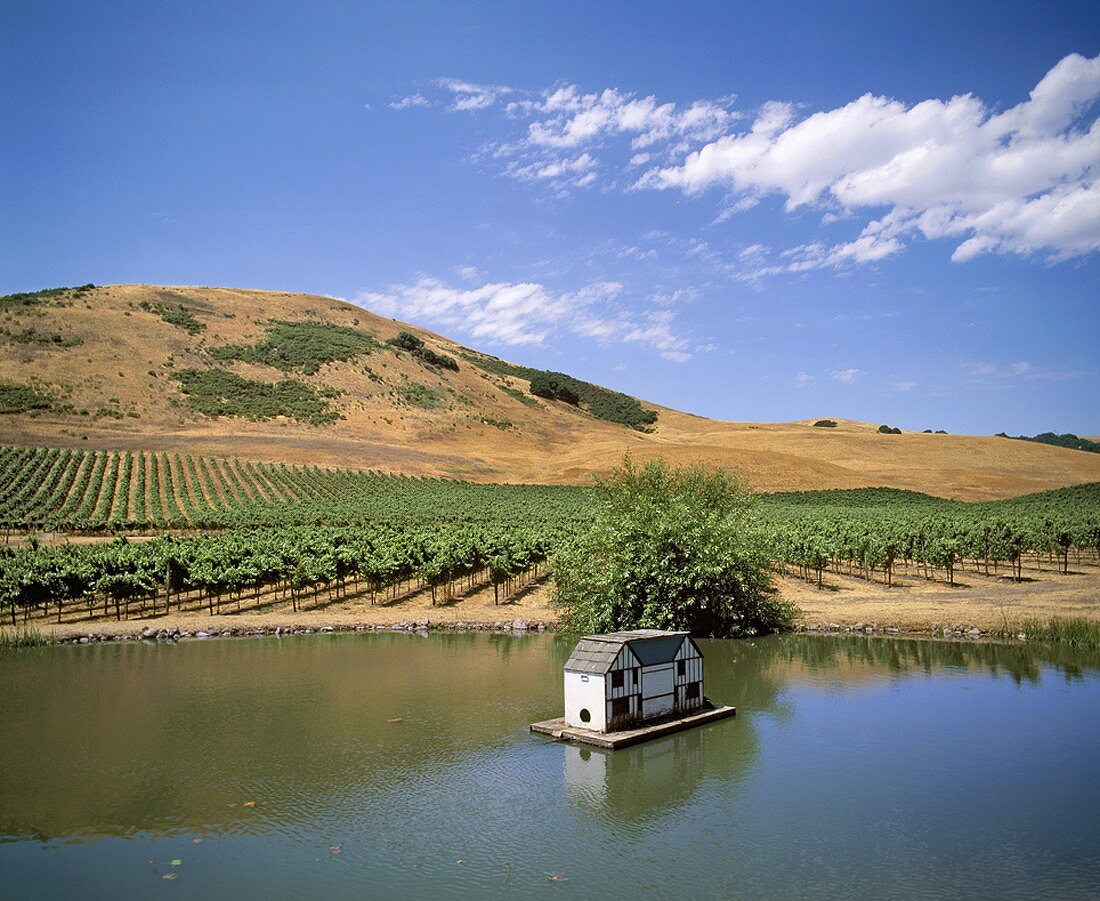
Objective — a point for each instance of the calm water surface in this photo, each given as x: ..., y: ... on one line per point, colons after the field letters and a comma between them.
x: 397, y: 765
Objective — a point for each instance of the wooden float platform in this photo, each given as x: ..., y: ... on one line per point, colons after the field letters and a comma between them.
x: 559, y: 731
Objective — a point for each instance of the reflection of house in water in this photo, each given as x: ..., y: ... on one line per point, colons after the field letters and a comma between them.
x: 637, y: 782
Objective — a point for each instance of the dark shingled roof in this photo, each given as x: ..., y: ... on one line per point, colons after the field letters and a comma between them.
x: 596, y: 653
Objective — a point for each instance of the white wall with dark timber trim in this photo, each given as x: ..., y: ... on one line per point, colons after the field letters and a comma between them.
x: 688, y: 671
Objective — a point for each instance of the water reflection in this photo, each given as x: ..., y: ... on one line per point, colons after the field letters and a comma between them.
x: 863, y: 767
x: 864, y: 655
x: 639, y: 783
x: 119, y: 740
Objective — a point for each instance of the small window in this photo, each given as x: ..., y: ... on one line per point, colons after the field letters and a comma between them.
x: 617, y: 679
x: 586, y: 717
x: 691, y: 692
x: 681, y: 667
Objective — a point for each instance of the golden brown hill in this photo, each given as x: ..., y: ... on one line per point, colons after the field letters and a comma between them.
x: 111, y: 360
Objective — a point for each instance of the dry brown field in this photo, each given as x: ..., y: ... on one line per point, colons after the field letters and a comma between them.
x: 125, y: 363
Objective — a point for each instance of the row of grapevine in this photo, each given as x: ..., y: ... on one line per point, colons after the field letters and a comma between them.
x: 47, y: 489
x: 935, y: 540
x: 299, y: 564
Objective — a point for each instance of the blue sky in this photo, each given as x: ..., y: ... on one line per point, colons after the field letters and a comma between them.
x: 764, y: 212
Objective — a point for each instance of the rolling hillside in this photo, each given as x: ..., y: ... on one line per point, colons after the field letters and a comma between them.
x: 293, y: 378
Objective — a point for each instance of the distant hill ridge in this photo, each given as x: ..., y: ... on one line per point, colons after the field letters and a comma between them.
x: 306, y: 379
x: 1066, y: 440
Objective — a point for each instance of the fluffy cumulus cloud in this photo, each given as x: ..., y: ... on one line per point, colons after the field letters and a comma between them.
x: 1020, y: 181
x: 529, y: 313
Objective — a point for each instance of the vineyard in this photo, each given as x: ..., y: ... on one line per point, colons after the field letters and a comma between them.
x: 80, y: 491
x: 249, y: 535
x: 878, y: 534
x: 309, y: 566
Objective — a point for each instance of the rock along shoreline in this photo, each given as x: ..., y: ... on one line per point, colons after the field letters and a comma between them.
x: 172, y: 634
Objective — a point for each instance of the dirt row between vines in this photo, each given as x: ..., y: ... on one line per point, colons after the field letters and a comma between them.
x: 991, y: 605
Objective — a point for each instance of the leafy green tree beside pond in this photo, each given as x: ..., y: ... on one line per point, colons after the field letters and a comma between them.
x: 670, y: 549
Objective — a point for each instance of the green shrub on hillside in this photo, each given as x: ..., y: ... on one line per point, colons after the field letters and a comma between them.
x: 440, y: 361
x: 554, y: 386
x: 416, y: 395
x: 303, y: 346
x: 218, y: 392
x: 888, y: 430
x: 41, y: 339
x: 31, y: 298
x: 526, y: 399
x: 603, y: 403
x: 177, y: 315
x: 408, y: 341
x: 670, y: 549
x: 17, y: 398
x: 825, y: 424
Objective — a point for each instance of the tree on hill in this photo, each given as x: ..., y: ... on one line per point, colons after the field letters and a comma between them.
x: 553, y: 387
x: 670, y: 549
x: 406, y: 341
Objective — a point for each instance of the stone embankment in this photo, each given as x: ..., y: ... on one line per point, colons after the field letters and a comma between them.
x: 936, y: 630
x: 174, y: 633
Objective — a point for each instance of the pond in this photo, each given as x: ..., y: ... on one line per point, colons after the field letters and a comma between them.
x: 401, y: 765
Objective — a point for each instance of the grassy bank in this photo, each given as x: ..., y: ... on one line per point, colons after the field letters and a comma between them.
x: 22, y: 638
x: 1074, y: 633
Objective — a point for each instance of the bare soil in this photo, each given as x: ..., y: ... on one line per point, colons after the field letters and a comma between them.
x: 913, y: 604
x: 992, y: 604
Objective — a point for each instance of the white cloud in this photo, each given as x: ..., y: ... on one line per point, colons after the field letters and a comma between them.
x: 803, y: 380
x: 466, y: 95
x: 904, y: 386
x: 847, y: 376
x: 529, y: 313
x: 566, y: 117
x: 656, y: 331
x: 1017, y: 371
x: 686, y: 294
x: 561, y: 171
x: 411, y: 102
x: 1021, y: 181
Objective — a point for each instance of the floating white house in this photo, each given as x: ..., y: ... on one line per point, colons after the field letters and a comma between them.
x: 625, y: 679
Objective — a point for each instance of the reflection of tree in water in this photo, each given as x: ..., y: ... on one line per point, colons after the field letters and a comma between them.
x: 1022, y: 663
x: 116, y: 739
x: 634, y: 786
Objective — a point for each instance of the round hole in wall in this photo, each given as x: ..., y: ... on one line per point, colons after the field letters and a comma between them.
x: 586, y: 717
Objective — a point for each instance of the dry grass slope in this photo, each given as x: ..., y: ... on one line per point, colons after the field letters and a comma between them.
x: 113, y: 371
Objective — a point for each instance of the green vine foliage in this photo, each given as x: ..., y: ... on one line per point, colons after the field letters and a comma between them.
x: 670, y: 549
